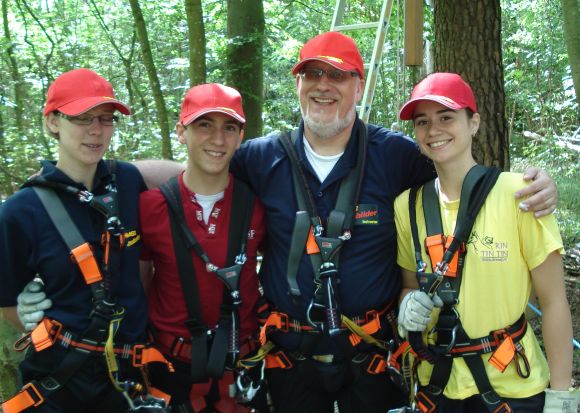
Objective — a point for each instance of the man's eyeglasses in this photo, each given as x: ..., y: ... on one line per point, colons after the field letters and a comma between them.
x: 334, y: 75
x: 85, y: 120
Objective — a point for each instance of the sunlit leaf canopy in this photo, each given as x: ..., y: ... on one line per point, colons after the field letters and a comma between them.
x: 43, y: 38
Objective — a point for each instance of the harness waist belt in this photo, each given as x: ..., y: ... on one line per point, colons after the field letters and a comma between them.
x: 48, y: 332
x: 180, y: 347
x: 491, y: 342
x: 369, y: 322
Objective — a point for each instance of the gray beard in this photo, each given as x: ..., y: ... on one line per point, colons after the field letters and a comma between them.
x: 327, y: 130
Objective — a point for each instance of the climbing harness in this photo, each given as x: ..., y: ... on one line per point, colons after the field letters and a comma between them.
x: 210, y: 350
x: 447, y: 255
x: 106, y: 315
x: 323, y: 244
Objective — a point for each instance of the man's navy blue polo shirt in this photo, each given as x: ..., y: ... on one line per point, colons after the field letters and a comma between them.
x: 369, y: 275
x: 30, y: 245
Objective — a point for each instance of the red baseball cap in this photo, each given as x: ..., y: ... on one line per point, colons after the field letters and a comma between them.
x: 333, y: 48
x: 211, y: 97
x: 80, y: 90
x: 448, y: 89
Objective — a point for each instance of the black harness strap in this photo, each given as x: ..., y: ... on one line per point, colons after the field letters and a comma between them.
x: 476, y: 186
x: 225, y: 341
x: 340, y: 221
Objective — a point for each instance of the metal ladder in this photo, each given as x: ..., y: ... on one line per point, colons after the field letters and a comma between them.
x: 371, y: 68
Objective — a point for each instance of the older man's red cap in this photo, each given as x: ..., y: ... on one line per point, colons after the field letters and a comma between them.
x: 333, y: 48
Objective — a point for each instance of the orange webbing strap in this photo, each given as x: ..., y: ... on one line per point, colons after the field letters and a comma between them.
x: 404, y: 348
x: 371, y: 327
x: 45, y: 334
x: 26, y: 398
x: 452, y: 266
x: 278, y: 321
x: 84, y: 257
x: 144, y: 355
x: 435, y: 246
x: 281, y: 322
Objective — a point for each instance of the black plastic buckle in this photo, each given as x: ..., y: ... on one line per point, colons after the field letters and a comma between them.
x: 284, y: 359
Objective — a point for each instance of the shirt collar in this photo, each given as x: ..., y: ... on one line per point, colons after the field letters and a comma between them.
x: 50, y: 172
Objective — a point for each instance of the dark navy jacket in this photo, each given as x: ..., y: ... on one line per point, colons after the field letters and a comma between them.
x: 369, y: 275
x: 30, y: 245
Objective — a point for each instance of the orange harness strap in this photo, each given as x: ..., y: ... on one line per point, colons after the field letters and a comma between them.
x: 26, y: 398
x: 436, y: 245
x: 85, y: 259
x: 48, y: 332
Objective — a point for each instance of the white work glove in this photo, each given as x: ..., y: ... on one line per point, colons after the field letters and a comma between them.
x: 561, y: 401
x: 415, y: 311
x: 32, y: 302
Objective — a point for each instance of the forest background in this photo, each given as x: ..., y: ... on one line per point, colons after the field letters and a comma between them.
x: 521, y: 56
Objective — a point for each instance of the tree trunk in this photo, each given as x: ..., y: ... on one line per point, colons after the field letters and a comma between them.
x: 468, y: 42
x: 162, y: 119
x: 17, y: 80
x: 571, y: 13
x: 245, y: 58
x: 196, y: 41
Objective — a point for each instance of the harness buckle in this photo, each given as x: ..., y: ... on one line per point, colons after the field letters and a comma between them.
x: 377, y: 364
x: 280, y: 359
x: 45, y: 334
x: 282, y: 322
x: 452, y: 338
x: 49, y: 383
x: 424, y: 403
x: 35, y: 395
x: 138, y: 355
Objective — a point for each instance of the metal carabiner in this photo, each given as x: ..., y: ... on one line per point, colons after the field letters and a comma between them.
x: 316, y: 325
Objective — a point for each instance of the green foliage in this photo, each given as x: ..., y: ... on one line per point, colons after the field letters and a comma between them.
x: 564, y: 167
x: 48, y: 38
x: 539, y: 92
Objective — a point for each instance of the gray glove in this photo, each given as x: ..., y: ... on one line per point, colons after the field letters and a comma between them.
x: 415, y: 311
x: 32, y: 302
x: 561, y: 401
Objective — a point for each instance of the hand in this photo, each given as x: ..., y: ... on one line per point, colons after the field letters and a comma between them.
x: 543, y: 191
x: 32, y: 302
x: 415, y: 310
x: 561, y: 401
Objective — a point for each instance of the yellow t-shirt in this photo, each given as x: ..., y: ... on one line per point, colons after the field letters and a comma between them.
x: 505, y: 244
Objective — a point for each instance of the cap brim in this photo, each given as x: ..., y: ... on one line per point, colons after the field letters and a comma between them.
x: 339, y: 66
x: 83, y: 105
x: 406, y: 112
x: 190, y: 118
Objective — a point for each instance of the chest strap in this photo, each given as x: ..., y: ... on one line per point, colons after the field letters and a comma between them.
x: 208, y: 357
x: 323, y: 245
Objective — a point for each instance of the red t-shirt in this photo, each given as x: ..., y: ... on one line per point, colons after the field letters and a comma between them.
x: 167, y: 309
